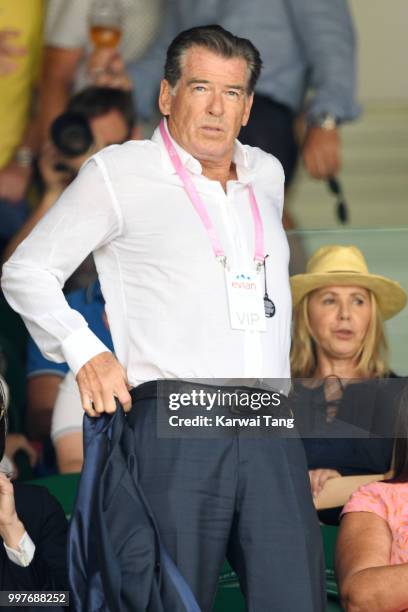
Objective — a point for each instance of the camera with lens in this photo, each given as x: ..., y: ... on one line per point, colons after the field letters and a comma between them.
x: 72, y: 136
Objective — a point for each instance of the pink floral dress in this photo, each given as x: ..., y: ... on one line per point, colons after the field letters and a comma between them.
x: 390, y: 502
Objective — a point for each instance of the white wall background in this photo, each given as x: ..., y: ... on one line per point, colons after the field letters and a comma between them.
x: 375, y: 147
x: 382, y: 27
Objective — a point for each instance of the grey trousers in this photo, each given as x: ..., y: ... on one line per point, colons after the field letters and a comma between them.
x: 247, y: 499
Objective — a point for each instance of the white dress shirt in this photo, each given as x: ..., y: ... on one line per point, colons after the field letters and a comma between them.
x: 25, y: 552
x: 165, y: 292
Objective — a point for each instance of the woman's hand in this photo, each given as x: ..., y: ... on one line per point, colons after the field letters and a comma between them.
x: 318, y: 479
x: 16, y: 442
x: 11, y: 528
x: 389, y: 475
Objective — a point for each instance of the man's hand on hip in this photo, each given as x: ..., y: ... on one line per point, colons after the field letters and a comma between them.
x: 100, y: 381
x: 321, y: 152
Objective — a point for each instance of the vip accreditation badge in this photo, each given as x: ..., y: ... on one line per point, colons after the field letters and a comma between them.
x: 245, y: 298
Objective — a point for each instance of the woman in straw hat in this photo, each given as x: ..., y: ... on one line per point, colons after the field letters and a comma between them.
x: 338, y: 337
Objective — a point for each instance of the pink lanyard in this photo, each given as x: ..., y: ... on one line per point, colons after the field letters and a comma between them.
x: 201, y: 210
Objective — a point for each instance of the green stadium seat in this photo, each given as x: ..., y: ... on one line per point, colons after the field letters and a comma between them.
x: 229, y: 597
x: 329, y: 535
x: 63, y: 487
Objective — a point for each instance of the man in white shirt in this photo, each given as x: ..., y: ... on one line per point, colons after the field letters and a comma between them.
x: 175, y: 223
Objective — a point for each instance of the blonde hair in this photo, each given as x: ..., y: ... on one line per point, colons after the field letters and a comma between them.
x: 371, y: 359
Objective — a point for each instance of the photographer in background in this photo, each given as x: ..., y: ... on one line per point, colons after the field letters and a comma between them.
x: 95, y: 118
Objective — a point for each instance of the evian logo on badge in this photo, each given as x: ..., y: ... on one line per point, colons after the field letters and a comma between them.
x: 245, y: 300
x: 242, y: 281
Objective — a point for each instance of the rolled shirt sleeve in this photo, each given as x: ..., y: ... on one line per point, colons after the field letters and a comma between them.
x: 85, y: 218
x: 326, y: 32
x: 66, y: 24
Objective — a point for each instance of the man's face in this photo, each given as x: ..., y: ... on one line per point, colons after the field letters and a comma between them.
x: 209, y: 105
x: 108, y: 129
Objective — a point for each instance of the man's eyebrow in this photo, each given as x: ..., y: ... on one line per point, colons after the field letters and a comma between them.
x: 195, y: 80
x: 192, y: 81
x: 239, y: 87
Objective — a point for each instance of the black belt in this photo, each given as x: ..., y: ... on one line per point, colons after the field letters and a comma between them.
x: 149, y: 391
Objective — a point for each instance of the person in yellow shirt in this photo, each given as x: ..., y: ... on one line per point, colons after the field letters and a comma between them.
x: 9, y: 51
x: 21, y: 23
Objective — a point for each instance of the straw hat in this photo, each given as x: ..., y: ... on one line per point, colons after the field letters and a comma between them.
x: 345, y: 265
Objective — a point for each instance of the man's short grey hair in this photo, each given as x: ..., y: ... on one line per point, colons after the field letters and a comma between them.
x: 216, y: 39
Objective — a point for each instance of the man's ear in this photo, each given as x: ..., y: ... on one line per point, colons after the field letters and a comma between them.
x: 165, y: 97
x: 247, y: 110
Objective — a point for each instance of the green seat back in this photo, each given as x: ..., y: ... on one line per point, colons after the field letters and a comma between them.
x: 329, y: 535
x: 63, y: 487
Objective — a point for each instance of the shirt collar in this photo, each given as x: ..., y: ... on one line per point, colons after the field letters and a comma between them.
x: 239, y: 157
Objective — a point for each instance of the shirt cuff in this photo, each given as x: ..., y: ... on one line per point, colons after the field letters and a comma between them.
x: 25, y: 553
x: 343, y: 112
x: 80, y: 346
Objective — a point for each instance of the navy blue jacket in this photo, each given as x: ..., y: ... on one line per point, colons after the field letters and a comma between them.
x: 115, y: 559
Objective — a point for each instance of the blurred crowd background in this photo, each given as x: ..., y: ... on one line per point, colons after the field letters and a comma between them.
x: 77, y: 75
